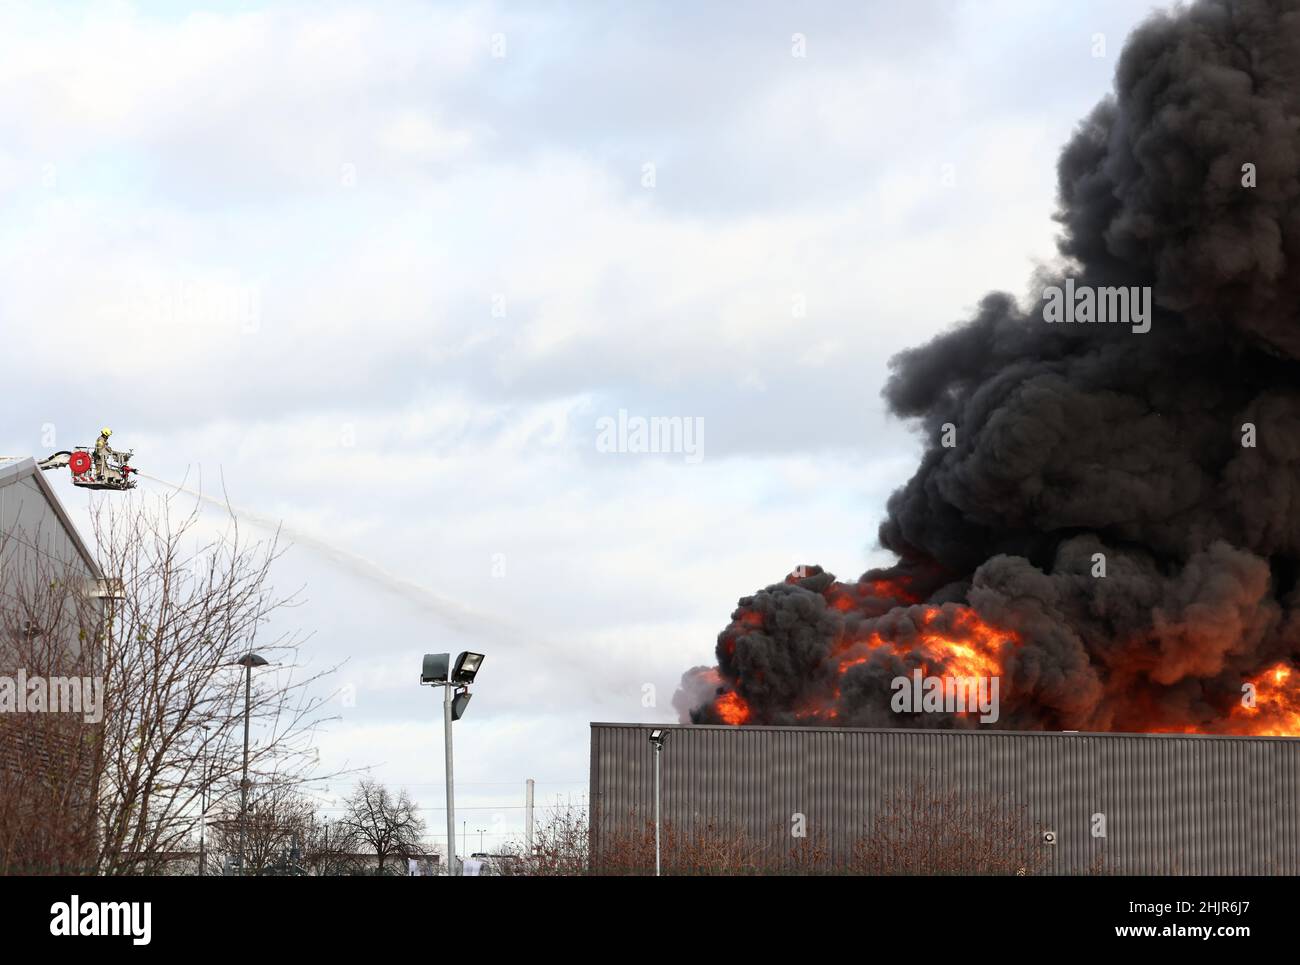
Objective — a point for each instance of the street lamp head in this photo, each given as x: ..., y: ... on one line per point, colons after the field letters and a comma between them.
x: 252, y: 660
x: 435, y: 666
x: 657, y: 737
x: 467, y: 665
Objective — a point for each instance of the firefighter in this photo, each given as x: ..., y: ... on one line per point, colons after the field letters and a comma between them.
x: 102, y: 452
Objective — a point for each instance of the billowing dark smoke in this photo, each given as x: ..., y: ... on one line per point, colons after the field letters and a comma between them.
x: 1074, y: 440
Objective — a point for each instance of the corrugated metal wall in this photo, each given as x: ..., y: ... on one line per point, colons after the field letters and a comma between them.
x: 1173, y: 804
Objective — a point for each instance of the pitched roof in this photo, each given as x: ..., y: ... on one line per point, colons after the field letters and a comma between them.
x: 14, y: 469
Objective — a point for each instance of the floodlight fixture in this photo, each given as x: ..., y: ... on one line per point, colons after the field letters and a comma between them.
x: 459, y: 703
x: 435, y: 666
x: 438, y: 670
x: 467, y: 665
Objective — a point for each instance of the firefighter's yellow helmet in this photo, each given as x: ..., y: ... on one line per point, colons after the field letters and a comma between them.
x: 105, y: 432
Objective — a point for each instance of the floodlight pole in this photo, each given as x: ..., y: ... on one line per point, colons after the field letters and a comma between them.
x: 658, y: 747
x: 451, y: 793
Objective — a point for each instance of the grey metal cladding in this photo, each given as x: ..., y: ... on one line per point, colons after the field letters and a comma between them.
x: 1173, y: 804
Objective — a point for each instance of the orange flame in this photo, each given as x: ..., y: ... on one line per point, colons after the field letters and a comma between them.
x: 731, y: 708
x: 953, y: 640
x: 1276, y: 710
x: 971, y: 647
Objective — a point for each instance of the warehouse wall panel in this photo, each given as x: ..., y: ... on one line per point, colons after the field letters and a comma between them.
x: 1174, y: 804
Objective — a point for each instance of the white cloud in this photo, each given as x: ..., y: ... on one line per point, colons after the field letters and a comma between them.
x: 386, y: 283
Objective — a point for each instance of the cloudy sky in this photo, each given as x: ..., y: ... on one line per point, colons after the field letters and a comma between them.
x: 383, y: 268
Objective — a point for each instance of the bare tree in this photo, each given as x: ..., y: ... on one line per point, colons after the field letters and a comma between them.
x: 278, y: 831
x: 50, y: 748
x: 928, y: 830
x: 381, y: 824
x: 561, y: 847
x: 122, y: 793
x: 331, y: 849
x: 188, y: 610
x: 921, y: 830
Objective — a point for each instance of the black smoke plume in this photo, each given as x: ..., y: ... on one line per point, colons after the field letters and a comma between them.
x: 1074, y: 440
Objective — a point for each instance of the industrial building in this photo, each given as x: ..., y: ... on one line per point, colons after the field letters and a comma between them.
x: 1092, y: 803
x: 53, y: 601
x: 38, y: 539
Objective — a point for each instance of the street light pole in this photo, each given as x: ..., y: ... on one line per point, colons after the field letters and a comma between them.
x: 248, y: 662
x: 657, y: 737
x: 658, y: 750
x: 451, y: 792
x: 243, y: 784
x: 203, y: 809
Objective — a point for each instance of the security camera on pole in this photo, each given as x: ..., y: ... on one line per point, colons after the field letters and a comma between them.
x: 458, y: 678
